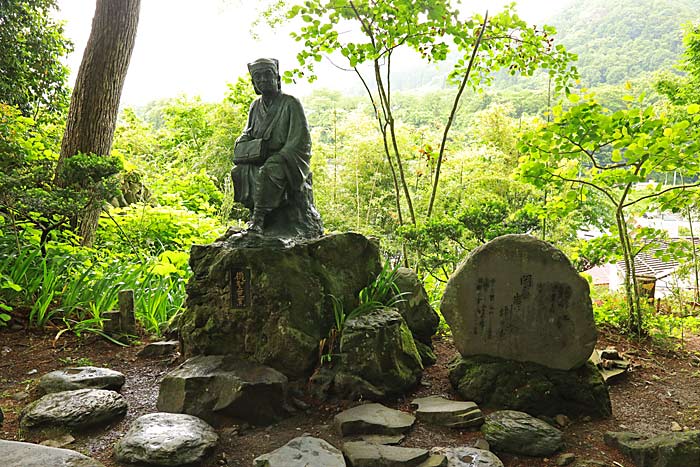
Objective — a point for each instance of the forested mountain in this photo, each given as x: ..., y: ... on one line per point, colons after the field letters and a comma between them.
x: 615, y: 42
x: 620, y: 40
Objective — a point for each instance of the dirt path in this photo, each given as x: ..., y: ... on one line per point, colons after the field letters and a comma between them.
x: 660, y: 389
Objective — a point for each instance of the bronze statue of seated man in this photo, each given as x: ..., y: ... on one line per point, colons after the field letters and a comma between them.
x: 272, y: 175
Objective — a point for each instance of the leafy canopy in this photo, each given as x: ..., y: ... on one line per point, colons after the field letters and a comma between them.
x: 32, y: 77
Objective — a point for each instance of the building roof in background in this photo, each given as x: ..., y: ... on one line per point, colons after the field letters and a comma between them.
x: 652, y: 265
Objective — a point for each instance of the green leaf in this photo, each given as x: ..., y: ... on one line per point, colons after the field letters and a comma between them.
x: 693, y: 108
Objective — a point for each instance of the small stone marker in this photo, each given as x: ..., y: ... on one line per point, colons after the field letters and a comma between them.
x: 362, y: 454
x: 304, y: 451
x: 81, y: 377
x: 166, y: 439
x: 437, y: 410
x: 521, y: 434
x: 122, y: 322
x: 126, y: 310
x: 372, y: 419
x: 467, y: 456
x: 519, y: 298
x: 16, y: 454
x: 81, y: 408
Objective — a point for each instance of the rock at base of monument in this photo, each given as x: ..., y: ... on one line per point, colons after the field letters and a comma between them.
x: 521, y: 434
x: 297, y: 218
x: 668, y: 449
x: 17, y: 454
x: 166, y: 439
x: 427, y: 354
x: 519, y: 298
x: 304, y: 451
x: 378, y: 357
x: 415, y: 307
x: 272, y: 305
x: 220, y: 387
x: 531, y: 388
x: 159, y: 349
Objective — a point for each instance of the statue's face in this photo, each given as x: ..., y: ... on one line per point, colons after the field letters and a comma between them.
x: 266, y: 80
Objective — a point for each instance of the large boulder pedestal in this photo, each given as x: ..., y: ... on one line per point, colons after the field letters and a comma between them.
x: 270, y: 301
x: 522, y: 319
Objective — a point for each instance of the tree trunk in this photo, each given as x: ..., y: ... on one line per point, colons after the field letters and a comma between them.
x: 95, y: 101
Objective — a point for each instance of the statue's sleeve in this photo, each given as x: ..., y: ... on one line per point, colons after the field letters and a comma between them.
x: 298, y: 139
x: 247, y: 132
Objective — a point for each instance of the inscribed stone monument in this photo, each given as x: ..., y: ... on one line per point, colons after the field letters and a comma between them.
x: 520, y: 298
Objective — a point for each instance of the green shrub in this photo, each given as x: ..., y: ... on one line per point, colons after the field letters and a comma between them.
x: 144, y: 228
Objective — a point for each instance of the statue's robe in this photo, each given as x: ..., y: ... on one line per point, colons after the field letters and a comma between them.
x: 282, y: 124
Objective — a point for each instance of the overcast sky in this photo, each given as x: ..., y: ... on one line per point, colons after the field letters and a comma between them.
x: 195, y: 50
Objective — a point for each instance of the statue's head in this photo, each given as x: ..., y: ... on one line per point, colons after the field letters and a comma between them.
x: 265, y: 75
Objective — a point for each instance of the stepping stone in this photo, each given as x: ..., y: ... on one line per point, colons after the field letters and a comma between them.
x: 521, y: 434
x: 378, y: 439
x: 166, y: 439
x: 58, y: 442
x: 435, y: 460
x: 16, y: 454
x: 74, y: 409
x: 220, y: 386
x: 373, y: 419
x: 81, y: 377
x: 159, y: 349
x: 467, y: 456
x: 362, y: 454
x: 437, y: 410
x: 304, y: 451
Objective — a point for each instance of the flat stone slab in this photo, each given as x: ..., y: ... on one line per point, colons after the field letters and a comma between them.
x: 363, y: 454
x: 664, y: 450
x: 437, y: 410
x: 81, y: 377
x: 521, y: 434
x: 434, y: 460
x: 81, y: 408
x: 467, y: 456
x: 159, y: 349
x: 519, y: 298
x: 374, y: 419
x: 305, y: 451
x: 16, y: 454
x: 378, y: 439
x: 216, y: 386
x: 166, y: 439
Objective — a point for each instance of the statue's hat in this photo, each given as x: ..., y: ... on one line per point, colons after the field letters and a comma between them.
x: 263, y: 63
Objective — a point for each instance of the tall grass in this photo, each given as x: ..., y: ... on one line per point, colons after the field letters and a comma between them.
x: 76, y: 287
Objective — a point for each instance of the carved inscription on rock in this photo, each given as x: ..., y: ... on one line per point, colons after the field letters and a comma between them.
x: 240, y: 287
x: 520, y: 298
x: 497, y: 316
